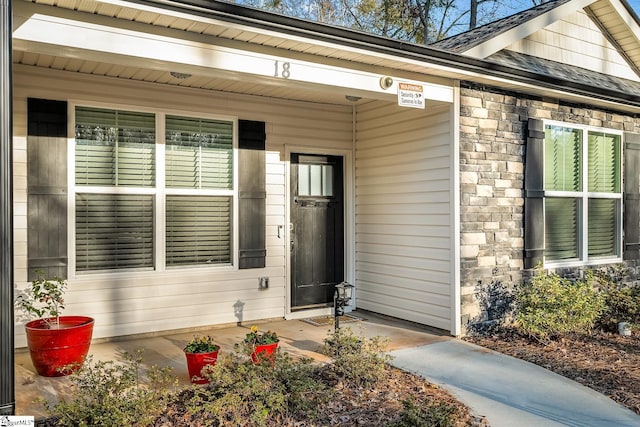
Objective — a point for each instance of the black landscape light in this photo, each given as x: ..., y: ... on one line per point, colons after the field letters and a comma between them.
x: 341, y: 297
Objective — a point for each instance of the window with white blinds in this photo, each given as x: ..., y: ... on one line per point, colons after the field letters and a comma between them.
x: 583, y: 198
x: 117, y: 210
x: 199, y: 153
x: 113, y: 231
x: 198, y: 230
x: 115, y: 148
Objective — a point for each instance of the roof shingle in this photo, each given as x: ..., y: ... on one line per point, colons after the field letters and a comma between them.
x: 469, y: 39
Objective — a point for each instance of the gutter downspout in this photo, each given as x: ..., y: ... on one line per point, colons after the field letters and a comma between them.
x: 7, y: 389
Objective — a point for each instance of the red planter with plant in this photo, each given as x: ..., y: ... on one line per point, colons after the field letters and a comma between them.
x: 261, y: 346
x: 264, y: 352
x: 200, y: 352
x: 58, y: 351
x: 58, y: 345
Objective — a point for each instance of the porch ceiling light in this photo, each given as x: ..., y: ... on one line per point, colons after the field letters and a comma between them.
x: 341, y: 297
x: 180, y: 76
x: 352, y: 98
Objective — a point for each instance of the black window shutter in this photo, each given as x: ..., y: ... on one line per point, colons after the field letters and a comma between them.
x: 534, y: 195
x: 631, y: 196
x: 47, y: 187
x: 251, y: 194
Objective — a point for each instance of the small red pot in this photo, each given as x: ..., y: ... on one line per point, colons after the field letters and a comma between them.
x: 60, y: 351
x: 196, y: 362
x: 264, y: 352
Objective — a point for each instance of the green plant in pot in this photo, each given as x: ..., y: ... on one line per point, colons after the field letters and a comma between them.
x: 261, y: 345
x: 57, y: 344
x: 202, y: 354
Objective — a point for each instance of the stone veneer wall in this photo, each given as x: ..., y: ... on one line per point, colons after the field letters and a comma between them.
x: 492, y: 150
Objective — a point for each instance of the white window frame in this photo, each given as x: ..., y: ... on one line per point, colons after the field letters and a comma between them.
x: 159, y: 191
x: 583, y: 199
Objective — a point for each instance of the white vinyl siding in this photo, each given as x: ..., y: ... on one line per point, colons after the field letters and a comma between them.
x: 403, y: 213
x: 576, y: 40
x: 150, y: 301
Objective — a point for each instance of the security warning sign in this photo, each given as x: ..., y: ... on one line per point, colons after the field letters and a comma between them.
x: 410, y: 95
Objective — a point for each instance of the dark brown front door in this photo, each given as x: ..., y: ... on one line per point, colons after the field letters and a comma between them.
x: 317, y: 229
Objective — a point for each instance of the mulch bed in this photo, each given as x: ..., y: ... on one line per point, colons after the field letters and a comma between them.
x: 370, y: 406
x: 605, y: 362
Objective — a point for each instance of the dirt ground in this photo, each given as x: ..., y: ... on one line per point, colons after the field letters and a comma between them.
x: 605, y: 362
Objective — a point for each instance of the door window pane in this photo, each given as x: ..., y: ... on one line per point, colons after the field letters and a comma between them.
x: 315, y: 180
x: 303, y: 180
x: 327, y: 180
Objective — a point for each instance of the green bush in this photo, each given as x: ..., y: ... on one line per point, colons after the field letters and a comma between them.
x: 111, y: 394
x: 241, y: 393
x: 622, y: 302
x: 426, y: 414
x: 357, y: 361
x: 550, y: 305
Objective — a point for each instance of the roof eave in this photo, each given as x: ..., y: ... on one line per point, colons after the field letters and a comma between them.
x: 464, y: 67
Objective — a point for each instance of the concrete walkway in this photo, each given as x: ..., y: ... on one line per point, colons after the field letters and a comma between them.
x: 509, y: 391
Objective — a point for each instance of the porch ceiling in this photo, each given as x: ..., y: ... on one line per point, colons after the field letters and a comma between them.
x: 164, y: 77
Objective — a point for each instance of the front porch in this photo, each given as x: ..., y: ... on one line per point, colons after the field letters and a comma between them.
x: 297, y: 337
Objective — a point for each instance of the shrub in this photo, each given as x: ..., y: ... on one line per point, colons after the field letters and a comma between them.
x: 357, y: 361
x: 622, y: 302
x: 550, y: 305
x: 241, y: 393
x: 306, y: 393
x: 496, y: 301
x: 426, y: 414
x: 111, y: 394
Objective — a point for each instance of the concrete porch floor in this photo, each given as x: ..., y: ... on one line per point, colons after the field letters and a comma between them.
x: 296, y: 337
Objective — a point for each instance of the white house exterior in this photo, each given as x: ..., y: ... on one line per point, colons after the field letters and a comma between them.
x: 303, y: 167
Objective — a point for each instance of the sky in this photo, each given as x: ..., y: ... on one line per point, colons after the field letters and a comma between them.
x: 635, y: 4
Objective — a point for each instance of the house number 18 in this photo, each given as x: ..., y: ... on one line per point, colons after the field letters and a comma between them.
x: 283, y: 71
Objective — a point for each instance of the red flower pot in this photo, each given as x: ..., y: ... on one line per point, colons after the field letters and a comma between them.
x: 59, y: 351
x: 196, y: 362
x: 263, y: 352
